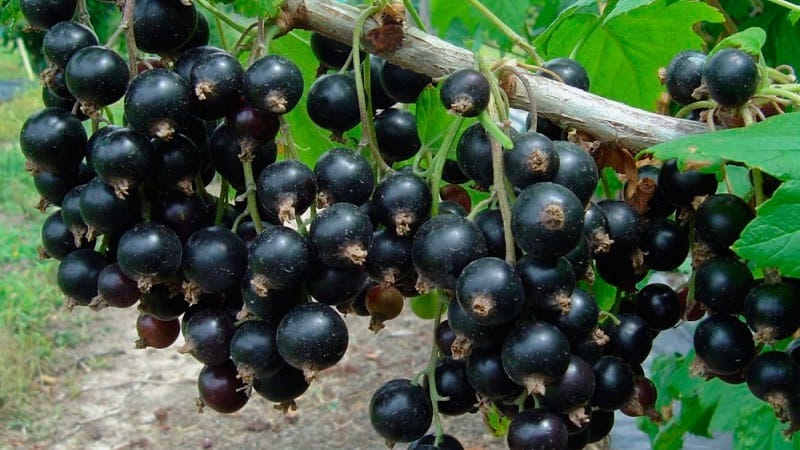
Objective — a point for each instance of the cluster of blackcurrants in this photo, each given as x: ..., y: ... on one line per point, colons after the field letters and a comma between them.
x: 136, y: 225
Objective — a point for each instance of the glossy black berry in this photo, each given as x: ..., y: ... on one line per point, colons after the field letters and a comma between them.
x: 77, y: 275
x: 658, y: 305
x: 452, y: 382
x: 284, y: 386
x: 389, y: 257
x: 535, y: 354
x: 396, y: 133
x: 105, y: 212
x: 631, y: 339
x: 343, y: 175
x: 330, y: 53
x: 731, y: 76
x: 161, y: 26
x: 577, y: 170
x: 340, y: 235
x: 225, y: 147
x: 547, y: 283
x: 537, y: 429
x: 490, y: 222
x: 490, y: 291
x: 720, y: 219
x: 471, y: 335
x: 184, y: 214
x: 162, y: 304
x: 402, y: 202
x: 623, y: 225
x: 684, y: 76
x: 57, y: 240
x: 465, y: 92
x: 721, y: 284
x: 613, y: 383
x: 116, y: 289
x: 681, y: 187
x: 724, y: 344
x: 53, y: 140
x: 547, y: 220
x: 773, y: 376
x: 427, y: 442
x: 400, y: 411
x: 63, y: 39
x: 279, y: 258
x: 572, y: 391
x: 272, y: 306
x: 200, y: 36
x: 772, y: 311
x: 44, y: 14
x: 335, y: 285
x: 403, y: 85
x: 208, y: 334
x: 97, y: 76
x: 312, y: 337
x: 186, y: 61
x: 214, y: 261
x: 332, y: 103
x: 532, y: 159
x: 443, y: 246
x: 124, y: 159
x: 665, y: 244
x: 273, y: 83
x: 149, y: 252
x: 216, y: 81
x: 156, y: 101
x: 581, y: 319
x: 286, y: 189
x: 474, y: 153
x: 53, y: 187
x: 486, y: 375
x: 220, y: 388
x: 249, y: 123
x: 254, y: 350
x: 570, y: 71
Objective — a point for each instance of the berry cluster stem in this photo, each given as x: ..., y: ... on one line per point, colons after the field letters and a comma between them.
x: 222, y: 201
x: 130, y: 39
x: 430, y: 370
x: 415, y: 15
x: 221, y: 16
x: 435, y: 173
x: 252, y: 202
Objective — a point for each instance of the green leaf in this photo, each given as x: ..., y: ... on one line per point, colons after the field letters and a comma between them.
x: 794, y: 16
x: 765, y: 145
x: 750, y: 41
x: 757, y: 429
x: 772, y: 239
x: 256, y: 8
x: 496, y: 420
x: 626, y: 48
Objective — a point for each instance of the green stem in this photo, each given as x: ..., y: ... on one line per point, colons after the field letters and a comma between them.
x: 605, y: 315
x: 415, y: 15
x: 430, y: 371
x: 505, y: 29
x: 786, y: 4
x: 499, y: 188
x: 221, y: 16
x: 480, y: 206
x: 289, y: 147
x: 424, y: 152
x: 494, y: 131
x: 239, y: 220
x: 367, y: 126
x: 222, y: 39
x: 795, y: 98
x: 252, y: 205
x: 435, y: 173
x: 703, y: 104
x: 240, y: 43
x: 270, y: 34
x: 200, y: 185
x: 780, y: 77
x: 222, y: 202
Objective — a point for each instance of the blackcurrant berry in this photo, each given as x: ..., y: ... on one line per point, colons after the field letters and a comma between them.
x: 490, y: 291
x: 772, y: 311
x: 149, y: 252
x: 161, y: 26
x: 684, y: 76
x: 97, y: 76
x: 156, y: 333
x: 273, y: 83
x: 396, y: 133
x: 577, y: 170
x: 44, y: 14
x: 216, y: 81
x: 772, y: 376
x: 402, y: 85
x: 53, y: 140
x: 539, y: 429
x: 465, y: 92
x: 221, y: 389
x: 157, y: 101
x: 402, y: 202
x: 724, y: 344
x: 721, y: 284
x: 451, y: 382
x: 720, y: 219
x: 658, y: 305
x: 279, y: 258
x: 340, y: 235
x: 535, y: 354
x: 312, y: 337
x: 254, y: 351
x: 330, y: 53
x: 63, y: 39
x: 214, y: 261
x: 343, y: 175
x: 532, y: 159
x: 547, y: 220
x: 443, y: 246
x: 400, y: 411
x: 474, y: 153
x: 570, y: 71
x: 614, y: 383
x: 332, y: 103
x: 731, y: 76
x: 286, y: 189
x: 77, y: 275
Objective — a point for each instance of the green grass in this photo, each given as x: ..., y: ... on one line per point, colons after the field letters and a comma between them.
x: 31, y: 328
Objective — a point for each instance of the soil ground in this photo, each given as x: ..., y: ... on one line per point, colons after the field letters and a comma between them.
x: 118, y: 397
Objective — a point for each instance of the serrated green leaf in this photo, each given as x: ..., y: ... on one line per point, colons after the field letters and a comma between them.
x: 750, y: 41
x: 621, y: 67
x: 766, y: 145
x: 757, y: 429
x: 772, y: 239
x: 623, y: 6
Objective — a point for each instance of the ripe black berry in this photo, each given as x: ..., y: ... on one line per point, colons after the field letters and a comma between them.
x: 451, y: 382
x: 400, y: 411
x: 772, y: 311
x: 465, y: 92
x: 283, y: 387
x: 77, y: 275
x: 124, y: 159
x: 273, y: 83
x: 490, y: 291
x: 547, y: 220
x: 658, y: 305
x: 684, y: 75
x: 535, y: 354
x: 53, y: 140
x: 279, y: 258
x: 403, y: 85
x: 149, y: 252
x: 216, y: 82
x: 537, y: 428
x: 724, y: 344
x: 286, y: 189
x: 720, y: 219
x: 156, y: 102
x: 731, y: 76
x: 614, y: 383
x: 221, y: 389
x: 721, y: 284
x: 533, y: 159
x: 161, y: 26
x: 443, y: 246
x: 254, y: 351
x: 46, y: 13
x: 396, y: 133
x: 333, y: 103
x: 474, y: 153
x: 208, y: 334
x: 63, y: 39
x: 570, y: 71
x: 214, y: 261
x: 343, y: 175
x: 312, y: 337
x: 402, y: 202
x: 331, y: 53
x: 97, y: 76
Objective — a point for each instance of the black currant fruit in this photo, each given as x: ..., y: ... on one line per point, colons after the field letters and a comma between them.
x: 445, y: 336
x: 396, y: 133
x: 124, y: 159
x: 535, y: 354
x: 200, y: 36
x: 221, y: 389
x: 389, y: 257
x: 577, y: 170
x: 272, y: 306
x: 580, y: 258
x: 631, y: 339
x: 254, y: 351
x: 157, y: 101
x: 283, y: 387
x: 547, y: 284
x: 614, y: 383
x: 249, y: 123
x: 312, y: 337
x: 572, y: 391
x: 214, y: 261
x: 490, y: 291
x: 428, y: 442
x: 104, y: 212
x: 537, y: 429
x: 378, y: 97
x: 402, y: 85
x: 490, y: 222
x: 57, y: 239
x: 161, y: 26
x: 570, y: 71
x: 332, y: 103
x: 225, y: 147
x: 53, y: 140
x: 343, y: 175
x: 279, y: 258
x: 721, y: 284
x: 340, y: 235
x: 720, y: 219
x: 451, y: 382
x: 400, y: 411
x: 533, y: 159
x: 547, y: 220
x: 77, y: 275
x: 184, y: 214
x: 465, y: 92
x: 731, y: 76
x: 474, y: 153
x: 772, y: 311
x: 63, y: 39
x: 97, y: 76
x: 273, y: 83
x: 623, y: 225
x: 149, y: 252
x: 186, y: 61
x: 178, y: 164
x: 286, y: 189
x: 162, y: 304
x: 402, y: 202
x: 658, y: 305
x: 724, y: 344
x: 330, y: 53
x: 665, y: 244
x: 684, y: 75
x: 335, y: 285
x: 444, y: 246
x: 486, y: 375
x: 772, y: 377
x: 581, y: 320
x: 681, y: 188
x: 116, y: 289
x: 156, y: 333
x: 44, y: 14
x: 208, y: 333
x: 216, y: 81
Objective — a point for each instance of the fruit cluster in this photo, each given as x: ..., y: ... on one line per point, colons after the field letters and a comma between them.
x: 254, y: 284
